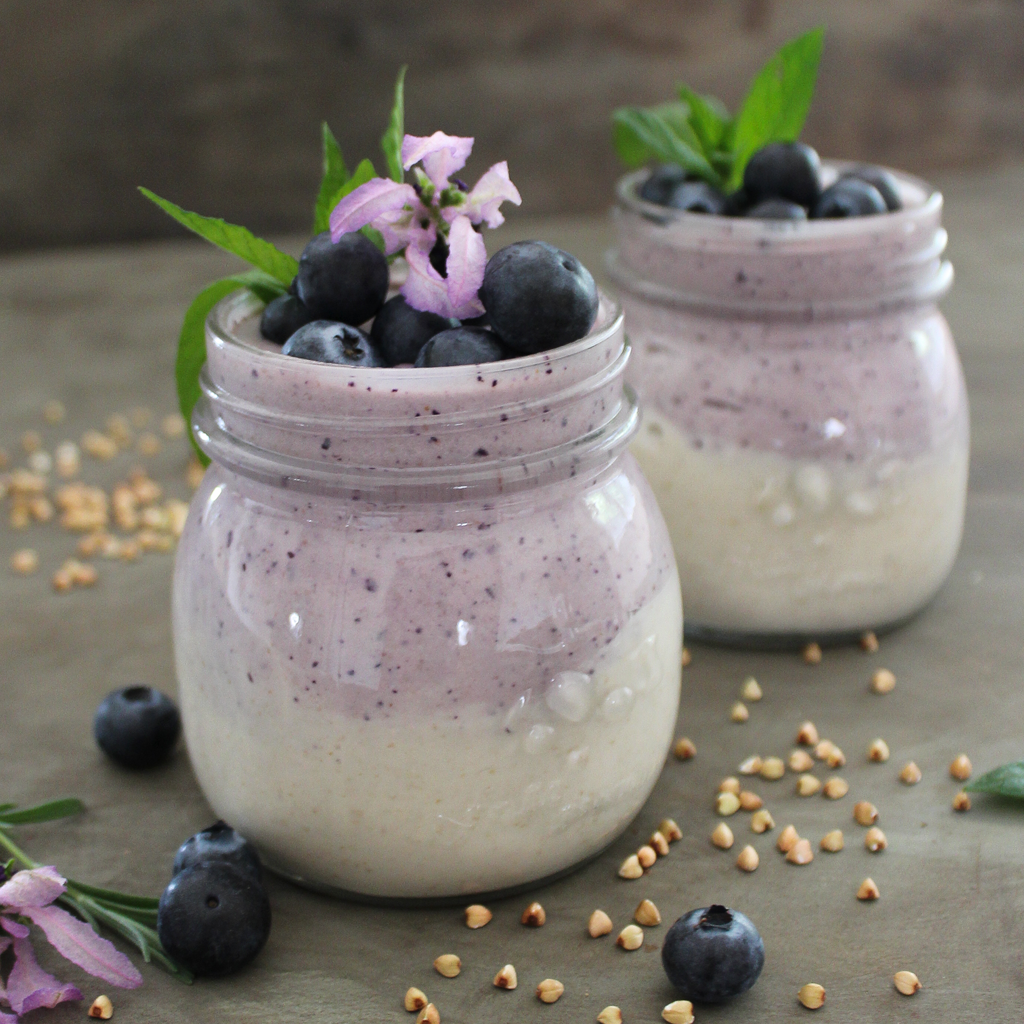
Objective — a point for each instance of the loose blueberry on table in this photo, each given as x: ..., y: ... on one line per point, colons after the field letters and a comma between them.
x: 137, y: 726
x: 219, y: 842
x: 712, y: 954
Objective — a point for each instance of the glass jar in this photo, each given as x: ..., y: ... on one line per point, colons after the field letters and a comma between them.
x: 805, y: 418
x: 427, y: 622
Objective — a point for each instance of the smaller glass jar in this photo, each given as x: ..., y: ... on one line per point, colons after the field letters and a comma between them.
x: 805, y: 418
x: 427, y: 622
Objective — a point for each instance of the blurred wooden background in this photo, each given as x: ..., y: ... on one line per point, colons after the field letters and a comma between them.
x: 217, y: 103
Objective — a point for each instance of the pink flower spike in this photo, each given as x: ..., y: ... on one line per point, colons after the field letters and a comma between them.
x: 34, y: 888
x: 494, y: 188
x: 425, y: 289
x: 467, y: 261
x: 75, y: 940
x: 441, y: 155
x: 29, y: 987
x: 15, y: 928
x: 363, y: 205
x: 405, y: 227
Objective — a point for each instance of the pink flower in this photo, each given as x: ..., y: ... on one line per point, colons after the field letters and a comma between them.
x: 414, y: 218
x: 29, y: 894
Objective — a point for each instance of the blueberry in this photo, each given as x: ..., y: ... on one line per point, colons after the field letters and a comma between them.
x: 330, y: 342
x: 538, y: 297
x: 282, y: 317
x: 784, y: 170
x: 697, y: 197
x: 345, y: 280
x: 849, y: 197
x: 777, y: 209
x: 219, y: 842
x: 461, y: 346
x: 737, y: 203
x: 712, y: 954
x: 439, y: 257
x: 399, y: 331
x: 881, y: 179
x: 661, y: 182
x: 137, y: 727
x: 213, y: 918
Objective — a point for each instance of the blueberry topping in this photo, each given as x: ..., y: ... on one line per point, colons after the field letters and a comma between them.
x: 461, y: 346
x: 538, y: 297
x: 345, y: 280
x: 661, y: 183
x: 399, y: 331
x: 330, y: 342
x: 784, y: 170
x: 881, y: 179
x: 697, y: 197
x: 737, y: 203
x: 439, y: 257
x: 849, y: 197
x: 712, y: 954
x: 777, y: 209
x: 137, y: 727
x: 213, y: 918
x: 282, y: 317
x: 219, y: 842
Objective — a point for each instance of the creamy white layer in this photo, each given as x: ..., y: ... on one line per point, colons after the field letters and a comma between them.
x: 771, y: 544
x: 410, y: 806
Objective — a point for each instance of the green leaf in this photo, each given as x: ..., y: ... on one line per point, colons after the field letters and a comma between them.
x: 708, y: 119
x: 235, y: 239
x: 666, y: 140
x: 145, y: 903
x: 776, y: 105
x: 50, y: 811
x: 1007, y: 780
x: 192, y: 339
x: 334, y: 176
x: 632, y: 150
x: 391, y: 142
x: 360, y: 176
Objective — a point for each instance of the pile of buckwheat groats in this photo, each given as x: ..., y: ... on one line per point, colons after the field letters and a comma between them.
x: 51, y: 487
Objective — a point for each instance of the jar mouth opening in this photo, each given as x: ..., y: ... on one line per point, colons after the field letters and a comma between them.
x: 230, y: 313
x: 921, y: 203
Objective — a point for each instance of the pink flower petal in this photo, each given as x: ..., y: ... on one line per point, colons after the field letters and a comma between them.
x: 363, y: 205
x: 425, y: 289
x: 467, y: 260
x: 441, y: 155
x: 494, y: 188
x: 8, y: 1018
x: 15, y: 928
x: 405, y: 227
x: 81, y: 945
x: 29, y: 987
x: 34, y: 888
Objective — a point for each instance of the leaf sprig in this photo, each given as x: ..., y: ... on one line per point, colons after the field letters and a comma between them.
x: 698, y: 133
x: 1006, y: 780
x: 273, y: 270
x: 131, y: 917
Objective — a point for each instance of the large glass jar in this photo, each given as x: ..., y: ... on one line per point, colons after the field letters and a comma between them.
x: 427, y: 622
x: 805, y: 419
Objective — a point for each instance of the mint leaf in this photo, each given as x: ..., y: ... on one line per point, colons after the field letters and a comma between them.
x: 776, y: 106
x: 334, y: 176
x: 192, y: 339
x: 663, y: 139
x: 1007, y: 780
x: 235, y: 239
x: 50, y: 811
x: 708, y: 118
x: 391, y: 142
x: 360, y: 176
x: 632, y: 150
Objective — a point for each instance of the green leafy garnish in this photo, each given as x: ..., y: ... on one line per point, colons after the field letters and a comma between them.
x: 697, y: 132
x: 132, y: 917
x: 1007, y: 780
x: 334, y: 177
x: 391, y: 141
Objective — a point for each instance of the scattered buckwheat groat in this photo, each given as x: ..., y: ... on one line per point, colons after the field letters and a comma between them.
x: 800, y: 853
x: 679, y: 1012
x: 630, y: 868
x: 534, y: 916
x: 477, y: 916
x: 730, y: 784
x: 739, y: 712
x: 722, y: 837
x: 610, y: 1015
x: 658, y: 843
x: 832, y: 842
x: 835, y: 788
x: 807, y: 735
x: 808, y: 785
x: 874, y: 840
x: 670, y: 830
x: 812, y: 996
x: 550, y: 990
x: 865, y: 813
x: 727, y: 804
x: 751, y: 690
x: 868, y: 890
x: 883, y: 681
x: 631, y: 937
x: 646, y: 856
x: 506, y: 978
x: 800, y: 761
x: 414, y: 1000
x: 24, y: 562
x: 869, y: 643
x: 878, y: 750
x: 788, y: 838
x: 907, y: 982
x: 961, y: 802
x: 599, y: 924
x: 761, y: 821
x: 647, y: 914
x: 750, y: 801
x: 428, y: 1015
x: 448, y: 965
x: 751, y: 766
x: 961, y: 767
x: 812, y: 654
x: 748, y: 859
x: 686, y: 659
x: 772, y: 769
x: 102, y: 1008
x: 684, y: 748
x: 910, y: 774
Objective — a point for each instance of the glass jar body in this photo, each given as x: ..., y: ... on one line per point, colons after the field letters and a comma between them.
x: 427, y: 694
x: 806, y: 425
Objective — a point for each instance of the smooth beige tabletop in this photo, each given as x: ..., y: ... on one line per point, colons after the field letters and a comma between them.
x: 97, y: 330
